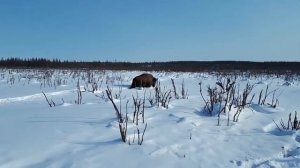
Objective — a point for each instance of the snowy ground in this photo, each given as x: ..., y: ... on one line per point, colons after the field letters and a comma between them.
x: 34, y: 135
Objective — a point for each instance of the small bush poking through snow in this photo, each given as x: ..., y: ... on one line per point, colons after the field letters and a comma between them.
x: 139, y: 109
x: 290, y: 125
x: 223, y: 96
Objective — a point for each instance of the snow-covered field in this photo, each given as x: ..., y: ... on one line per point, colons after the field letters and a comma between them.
x: 35, y: 135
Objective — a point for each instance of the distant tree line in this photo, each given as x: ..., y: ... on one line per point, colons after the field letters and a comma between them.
x: 178, y: 66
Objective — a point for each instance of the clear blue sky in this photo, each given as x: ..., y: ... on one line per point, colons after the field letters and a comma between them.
x: 151, y: 30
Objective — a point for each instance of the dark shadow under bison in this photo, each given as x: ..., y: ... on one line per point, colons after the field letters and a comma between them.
x: 143, y: 80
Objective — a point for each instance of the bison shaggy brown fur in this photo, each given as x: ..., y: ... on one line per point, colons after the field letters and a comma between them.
x: 143, y: 80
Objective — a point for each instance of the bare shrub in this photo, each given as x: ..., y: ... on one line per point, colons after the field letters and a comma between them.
x: 50, y: 102
x: 263, y: 97
x: 223, y: 96
x: 79, y: 94
x: 151, y: 100
x: 139, y: 109
x: 243, y: 100
x: 140, y: 136
x: 290, y: 125
x: 174, y: 89
x: 218, y: 97
x: 274, y: 102
x: 184, y: 91
x: 117, y: 95
x: 206, y: 107
x: 121, y: 120
x: 226, y: 95
x: 162, y: 96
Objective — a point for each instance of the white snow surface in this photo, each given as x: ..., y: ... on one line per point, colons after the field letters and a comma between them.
x: 34, y: 135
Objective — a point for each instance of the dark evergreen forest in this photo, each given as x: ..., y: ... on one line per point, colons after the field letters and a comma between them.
x: 177, y: 66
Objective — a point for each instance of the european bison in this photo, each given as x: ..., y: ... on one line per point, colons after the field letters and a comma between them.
x: 144, y: 80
